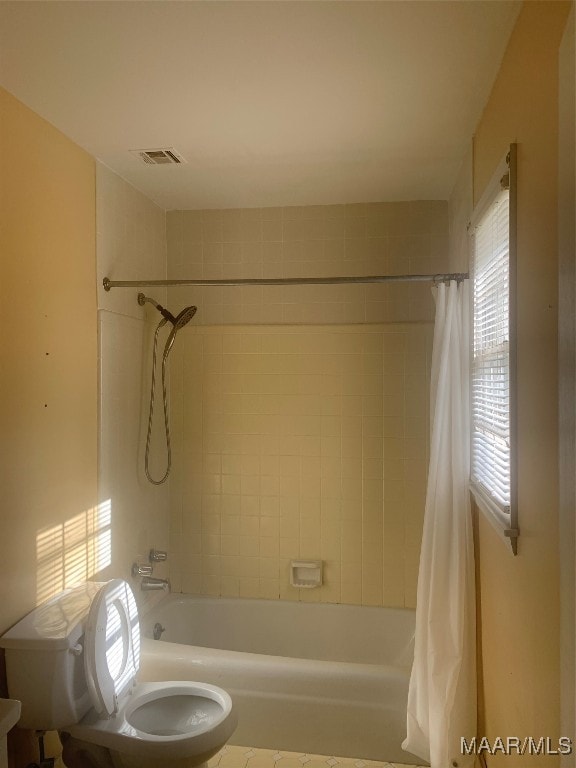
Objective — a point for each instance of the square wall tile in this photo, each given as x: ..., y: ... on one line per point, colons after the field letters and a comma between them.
x: 311, y: 443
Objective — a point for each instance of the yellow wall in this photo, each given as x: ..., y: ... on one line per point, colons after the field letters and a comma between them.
x: 567, y: 367
x: 48, y: 361
x: 520, y: 596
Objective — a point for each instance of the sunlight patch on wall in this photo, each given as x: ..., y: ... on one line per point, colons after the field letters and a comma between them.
x: 73, y: 551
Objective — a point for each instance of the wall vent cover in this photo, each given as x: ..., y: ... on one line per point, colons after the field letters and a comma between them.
x: 167, y: 156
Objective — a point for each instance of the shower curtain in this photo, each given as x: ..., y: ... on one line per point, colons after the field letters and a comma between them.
x: 442, y: 693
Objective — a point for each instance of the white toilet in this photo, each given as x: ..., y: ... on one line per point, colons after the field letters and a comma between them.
x: 72, y: 663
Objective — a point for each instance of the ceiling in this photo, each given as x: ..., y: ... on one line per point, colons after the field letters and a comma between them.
x: 271, y: 103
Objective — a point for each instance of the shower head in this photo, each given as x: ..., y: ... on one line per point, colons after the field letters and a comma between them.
x: 182, y: 319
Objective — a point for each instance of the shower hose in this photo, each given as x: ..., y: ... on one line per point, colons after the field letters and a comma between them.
x: 151, y: 411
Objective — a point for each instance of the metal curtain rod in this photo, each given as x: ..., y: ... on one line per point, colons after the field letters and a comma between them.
x: 438, y: 278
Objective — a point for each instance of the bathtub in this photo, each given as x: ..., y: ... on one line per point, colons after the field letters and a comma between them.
x: 304, y: 677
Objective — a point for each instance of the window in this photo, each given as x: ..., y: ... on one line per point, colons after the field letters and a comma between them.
x: 493, y: 347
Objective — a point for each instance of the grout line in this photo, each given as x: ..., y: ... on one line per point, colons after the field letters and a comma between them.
x: 232, y: 756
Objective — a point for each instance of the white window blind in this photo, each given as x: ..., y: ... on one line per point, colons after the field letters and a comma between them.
x: 491, y: 448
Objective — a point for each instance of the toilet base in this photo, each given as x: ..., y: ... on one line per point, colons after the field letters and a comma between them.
x: 83, y: 754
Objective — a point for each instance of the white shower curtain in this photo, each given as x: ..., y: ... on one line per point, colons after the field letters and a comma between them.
x: 442, y: 694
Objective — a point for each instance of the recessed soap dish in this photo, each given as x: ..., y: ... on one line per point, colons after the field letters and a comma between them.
x: 306, y: 573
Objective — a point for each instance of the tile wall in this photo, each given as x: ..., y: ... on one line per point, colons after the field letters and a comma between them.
x: 300, y: 442
x: 301, y: 412
x: 311, y: 241
x: 130, y: 245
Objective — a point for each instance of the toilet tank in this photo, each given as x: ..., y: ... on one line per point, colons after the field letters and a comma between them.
x: 45, y: 663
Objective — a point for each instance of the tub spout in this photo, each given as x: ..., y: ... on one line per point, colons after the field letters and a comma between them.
x: 150, y: 583
x: 157, y: 631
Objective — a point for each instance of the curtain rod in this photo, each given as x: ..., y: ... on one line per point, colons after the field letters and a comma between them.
x: 438, y: 278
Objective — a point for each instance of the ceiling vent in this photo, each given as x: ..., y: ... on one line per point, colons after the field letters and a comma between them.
x: 158, y: 156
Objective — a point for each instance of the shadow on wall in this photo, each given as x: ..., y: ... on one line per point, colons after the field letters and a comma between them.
x: 73, y: 551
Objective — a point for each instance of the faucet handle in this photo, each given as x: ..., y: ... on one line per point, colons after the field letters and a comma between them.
x: 157, y: 556
x: 141, y: 569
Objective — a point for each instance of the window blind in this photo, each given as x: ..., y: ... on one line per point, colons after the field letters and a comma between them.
x: 491, y: 455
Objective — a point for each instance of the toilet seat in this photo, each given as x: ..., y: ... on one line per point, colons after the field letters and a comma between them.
x: 111, y: 646
x: 155, y: 722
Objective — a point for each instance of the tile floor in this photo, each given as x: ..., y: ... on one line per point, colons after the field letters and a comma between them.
x: 252, y: 757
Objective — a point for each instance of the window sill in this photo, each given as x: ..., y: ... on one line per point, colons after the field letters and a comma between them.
x: 499, y: 520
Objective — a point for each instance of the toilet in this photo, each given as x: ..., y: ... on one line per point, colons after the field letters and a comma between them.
x: 73, y: 662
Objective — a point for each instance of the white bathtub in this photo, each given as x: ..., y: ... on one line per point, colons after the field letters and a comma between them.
x: 323, y: 679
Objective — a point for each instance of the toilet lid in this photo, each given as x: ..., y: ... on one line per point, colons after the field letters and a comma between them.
x: 111, y: 646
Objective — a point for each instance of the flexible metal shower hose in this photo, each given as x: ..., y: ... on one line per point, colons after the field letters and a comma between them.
x: 151, y: 412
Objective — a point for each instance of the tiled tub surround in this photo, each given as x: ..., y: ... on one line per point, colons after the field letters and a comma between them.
x: 309, y: 241
x: 131, y: 244
x: 316, y: 678
x: 299, y: 442
x: 138, y: 510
